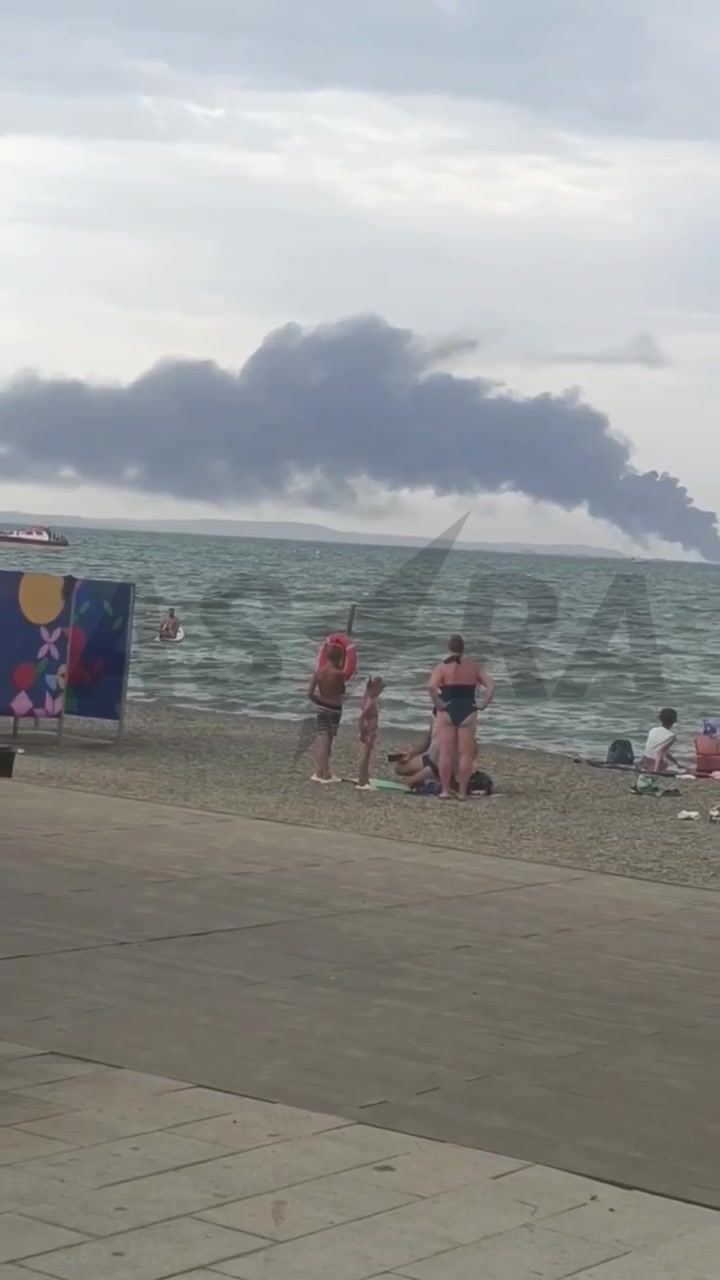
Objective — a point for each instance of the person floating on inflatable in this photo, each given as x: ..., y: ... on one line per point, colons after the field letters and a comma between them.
x: 170, y: 626
x: 336, y: 665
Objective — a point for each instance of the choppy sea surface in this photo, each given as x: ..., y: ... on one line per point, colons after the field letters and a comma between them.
x: 582, y: 650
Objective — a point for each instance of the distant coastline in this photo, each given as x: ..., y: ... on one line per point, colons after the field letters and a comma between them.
x: 276, y: 530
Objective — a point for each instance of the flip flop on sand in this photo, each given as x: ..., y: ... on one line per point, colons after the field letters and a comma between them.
x: 324, y: 781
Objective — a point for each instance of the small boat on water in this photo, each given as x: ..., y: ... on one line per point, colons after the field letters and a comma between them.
x: 38, y: 537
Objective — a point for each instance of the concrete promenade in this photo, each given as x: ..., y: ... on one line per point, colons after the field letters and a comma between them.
x: 125, y: 1176
x: 385, y: 995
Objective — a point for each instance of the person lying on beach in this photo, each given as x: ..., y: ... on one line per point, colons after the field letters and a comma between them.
x: 327, y: 691
x: 420, y: 763
x: 661, y: 739
x: 452, y: 688
x: 410, y: 761
x: 368, y: 729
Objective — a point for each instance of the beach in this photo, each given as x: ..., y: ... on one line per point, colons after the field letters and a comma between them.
x: 548, y: 808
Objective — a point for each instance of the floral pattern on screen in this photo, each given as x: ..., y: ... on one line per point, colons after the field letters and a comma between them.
x: 35, y: 615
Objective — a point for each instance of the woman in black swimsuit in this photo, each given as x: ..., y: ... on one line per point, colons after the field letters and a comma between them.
x: 453, y: 685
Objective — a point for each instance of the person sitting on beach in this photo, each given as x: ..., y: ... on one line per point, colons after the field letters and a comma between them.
x: 170, y: 625
x: 327, y: 692
x: 660, y: 740
x: 420, y: 763
x: 368, y: 729
x: 452, y: 689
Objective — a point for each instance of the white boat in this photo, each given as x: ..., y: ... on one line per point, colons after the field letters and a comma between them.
x: 38, y: 537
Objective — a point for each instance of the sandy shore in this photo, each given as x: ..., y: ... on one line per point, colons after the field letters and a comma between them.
x: 548, y: 809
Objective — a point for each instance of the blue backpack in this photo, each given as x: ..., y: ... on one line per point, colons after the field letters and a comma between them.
x: 620, y: 752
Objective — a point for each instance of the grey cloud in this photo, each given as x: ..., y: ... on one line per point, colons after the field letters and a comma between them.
x: 647, y: 67
x: 643, y: 350
x: 354, y: 399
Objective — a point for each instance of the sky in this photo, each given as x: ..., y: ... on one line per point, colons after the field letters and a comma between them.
x: 531, y: 190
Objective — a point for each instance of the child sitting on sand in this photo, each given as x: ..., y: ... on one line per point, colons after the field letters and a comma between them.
x: 368, y: 729
x: 327, y: 691
x: 657, y: 754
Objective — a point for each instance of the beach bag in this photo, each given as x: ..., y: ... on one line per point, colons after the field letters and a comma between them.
x: 620, y: 752
x: 480, y: 784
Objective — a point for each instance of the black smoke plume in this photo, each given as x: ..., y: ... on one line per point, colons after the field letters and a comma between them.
x: 325, y: 407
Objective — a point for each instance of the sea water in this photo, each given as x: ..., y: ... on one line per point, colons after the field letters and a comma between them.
x: 582, y: 650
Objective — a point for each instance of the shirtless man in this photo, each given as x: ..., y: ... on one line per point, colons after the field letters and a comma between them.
x: 170, y: 625
x: 327, y: 691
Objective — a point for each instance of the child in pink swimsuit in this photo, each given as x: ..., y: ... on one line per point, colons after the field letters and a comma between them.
x: 368, y: 729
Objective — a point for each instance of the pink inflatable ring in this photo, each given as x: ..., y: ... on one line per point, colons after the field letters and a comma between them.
x: 349, y: 650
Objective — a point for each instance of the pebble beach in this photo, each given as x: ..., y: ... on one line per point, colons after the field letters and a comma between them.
x: 547, y: 809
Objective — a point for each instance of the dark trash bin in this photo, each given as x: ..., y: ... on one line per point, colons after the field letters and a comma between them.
x: 7, y: 761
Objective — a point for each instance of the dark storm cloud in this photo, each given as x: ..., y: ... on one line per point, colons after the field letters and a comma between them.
x: 648, y: 66
x: 644, y: 351
x: 331, y: 405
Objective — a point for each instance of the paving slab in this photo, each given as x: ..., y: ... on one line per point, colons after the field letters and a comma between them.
x: 551, y: 1015
x: 21, y: 1237
x: 17, y: 1107
x: 149, y: 1254
x: 8, y: 1271
x: 692, y: 1257
x: 525, y: 1253
x: 257, y: 1124
x: 8, y: 1050
x: 178, y: 1109
x: 308, y: 1207
x: 154, y: 1198
x: 47, y: 1068
x: 325, y: 1200
x: 17, y: 1146
x: 124, y: 1160
x: 349, y: 1252
x: 632, y: 1219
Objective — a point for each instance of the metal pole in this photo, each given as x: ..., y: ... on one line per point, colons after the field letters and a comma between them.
x: 68, y: 659
x: 128, y: 658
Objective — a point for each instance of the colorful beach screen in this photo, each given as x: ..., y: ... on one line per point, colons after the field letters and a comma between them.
x: 64, y: 646
x: 100, y: 649
x: 35, y: 620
